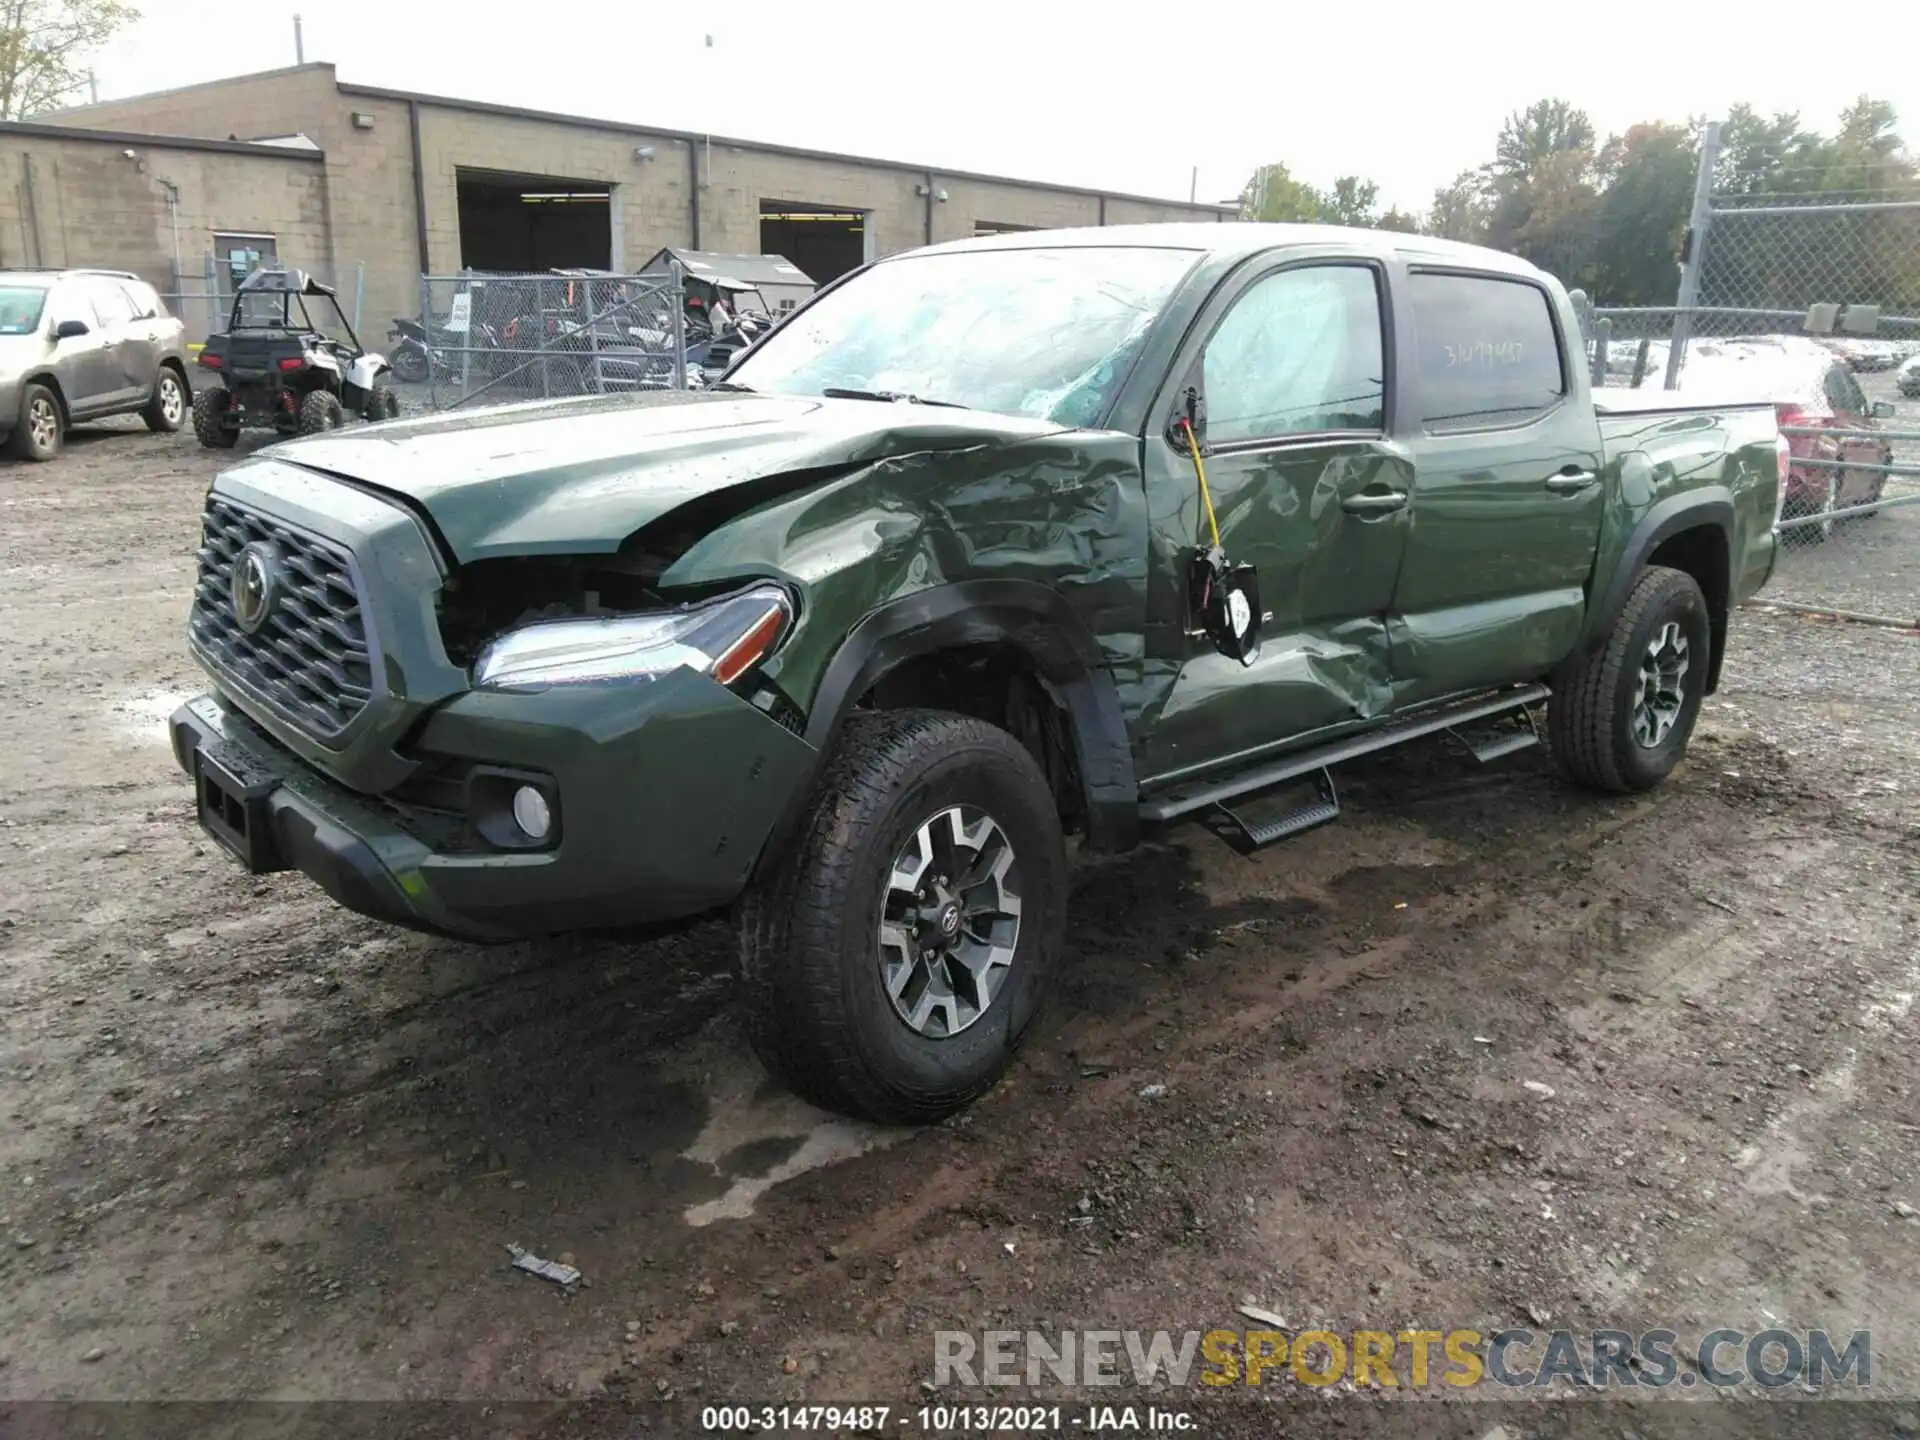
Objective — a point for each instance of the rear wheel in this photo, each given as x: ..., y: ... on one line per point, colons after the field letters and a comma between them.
x: 39, y: 428
x: 1621, y: 718
x: 410, y: 364
x: 321, y: 411
x: 895, y: 956
x: 213, y: 424
x: 382, y: 404
x: 166, y: 410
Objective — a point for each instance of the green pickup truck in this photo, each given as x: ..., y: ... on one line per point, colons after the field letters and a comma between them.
x: 1073, y: 533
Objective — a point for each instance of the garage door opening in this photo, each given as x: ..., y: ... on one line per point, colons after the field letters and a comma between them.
x: 825, y: 241
x: 526, y: 224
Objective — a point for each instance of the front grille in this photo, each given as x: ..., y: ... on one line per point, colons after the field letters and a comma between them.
x: 309, y: 661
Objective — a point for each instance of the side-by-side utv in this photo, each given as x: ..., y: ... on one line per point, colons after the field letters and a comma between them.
x: 285, y: 370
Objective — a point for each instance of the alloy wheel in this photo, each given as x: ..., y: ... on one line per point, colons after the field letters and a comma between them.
x: 1662, y: 694
x: 950, y: 922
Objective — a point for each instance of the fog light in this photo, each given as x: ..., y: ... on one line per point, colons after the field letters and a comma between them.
x: 532, y: 813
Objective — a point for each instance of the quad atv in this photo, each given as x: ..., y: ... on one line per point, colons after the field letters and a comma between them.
x: 283, y: 369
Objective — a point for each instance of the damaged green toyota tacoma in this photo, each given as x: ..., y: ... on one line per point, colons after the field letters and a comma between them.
x: 988, y: 544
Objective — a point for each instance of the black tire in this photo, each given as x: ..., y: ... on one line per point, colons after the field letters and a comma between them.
x: 321, y: 411
x: 40, y: 428
x: 1595, y: 712
x: 166, y: 409
x: 410, y: 363
x: 211, y: 426
x: 382, y: 404
x: 818, y: 1007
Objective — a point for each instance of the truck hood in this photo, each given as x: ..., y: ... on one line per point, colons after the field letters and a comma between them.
x: 580, y: 476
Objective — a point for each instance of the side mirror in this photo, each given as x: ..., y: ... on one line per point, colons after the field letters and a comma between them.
x: 1882, y: 410
x: 70, y: 330
x: 1189, y: 417
x: 1225, y: 601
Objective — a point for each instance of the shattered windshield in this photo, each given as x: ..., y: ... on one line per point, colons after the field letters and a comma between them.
x: 1045, y: 333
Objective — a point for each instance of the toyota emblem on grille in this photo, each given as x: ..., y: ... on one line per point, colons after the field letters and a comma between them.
x: 253, y: 585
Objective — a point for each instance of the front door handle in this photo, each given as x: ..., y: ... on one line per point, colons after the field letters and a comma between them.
x: 1374, y: 502
x: 1568, y: 481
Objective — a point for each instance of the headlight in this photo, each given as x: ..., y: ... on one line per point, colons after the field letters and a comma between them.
x: 723, y: 638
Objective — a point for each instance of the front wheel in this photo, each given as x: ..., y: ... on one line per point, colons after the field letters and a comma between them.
x: 40, y: 428
x: 320, y: 412
x: 1621, y: 717
x: 895, y: 956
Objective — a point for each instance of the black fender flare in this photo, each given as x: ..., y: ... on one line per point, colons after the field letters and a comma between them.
x: 1712, y: 507
x: 1039, y: 622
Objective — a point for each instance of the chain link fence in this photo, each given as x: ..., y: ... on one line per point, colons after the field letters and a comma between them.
x: 489, y: 339
x: 202, y: 296
x: 1812, y: 302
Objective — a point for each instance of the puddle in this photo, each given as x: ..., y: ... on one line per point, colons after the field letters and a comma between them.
x: 143, y: 717
x: 758, y: 1136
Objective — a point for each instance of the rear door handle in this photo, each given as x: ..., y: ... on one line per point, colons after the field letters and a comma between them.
x: 1568, y: 481
x: 1374, y: 502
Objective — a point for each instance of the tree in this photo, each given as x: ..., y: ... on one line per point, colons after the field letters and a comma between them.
x: 1350, y: 202
x: 1462, y: 210
x: 1398, y: 219
x: 1642, y: 213
x: 43, y: 44
x: 1273, y: 194
x: 1532, y: 137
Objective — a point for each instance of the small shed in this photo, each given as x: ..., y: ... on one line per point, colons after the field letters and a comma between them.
x: 781, y: 283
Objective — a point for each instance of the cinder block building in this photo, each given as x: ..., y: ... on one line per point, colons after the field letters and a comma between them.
x: 405, y: 185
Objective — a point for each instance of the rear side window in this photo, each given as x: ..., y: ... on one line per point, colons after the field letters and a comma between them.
x: 111, y: 304
x: 146, y: 302
x: 1485, y: 349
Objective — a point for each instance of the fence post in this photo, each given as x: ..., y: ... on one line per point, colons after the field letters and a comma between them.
x: 210, y: 276
x: 426, y: 331
x: 1693, y: 252
x: 1602, y: 333
x: 677, y: 306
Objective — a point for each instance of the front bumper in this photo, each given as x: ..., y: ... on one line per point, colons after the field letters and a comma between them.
x: 667, y: 794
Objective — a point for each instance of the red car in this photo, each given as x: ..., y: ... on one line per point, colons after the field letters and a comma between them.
x: 1823, y: 413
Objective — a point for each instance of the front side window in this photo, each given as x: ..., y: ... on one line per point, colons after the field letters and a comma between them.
x: 1299, y: 353
x: 1045, y: 333
x: 1486, y: 350
x: 21, y: 307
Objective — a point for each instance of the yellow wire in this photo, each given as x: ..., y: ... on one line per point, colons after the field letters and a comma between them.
x: 1206, y: 496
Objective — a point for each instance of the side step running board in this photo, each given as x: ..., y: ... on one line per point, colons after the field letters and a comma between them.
x: 1247, y: 837
x: 1209, y: 795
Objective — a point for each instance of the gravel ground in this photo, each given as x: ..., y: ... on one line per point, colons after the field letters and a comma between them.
x: 251, y: 1145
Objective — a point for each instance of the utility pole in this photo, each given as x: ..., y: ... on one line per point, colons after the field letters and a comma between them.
x: 1193, y: 186
x: 299, y: 43
x: 708, y: 68
x: 1693, y: 253
x: 93, y: 88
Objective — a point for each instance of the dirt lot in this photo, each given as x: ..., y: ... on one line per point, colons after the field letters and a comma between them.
x: 251, y: 1145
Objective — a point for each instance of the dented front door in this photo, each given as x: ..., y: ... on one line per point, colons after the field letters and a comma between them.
x: 1308, y: 488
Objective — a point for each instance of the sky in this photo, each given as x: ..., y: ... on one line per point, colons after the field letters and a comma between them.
x: 1123, y: 98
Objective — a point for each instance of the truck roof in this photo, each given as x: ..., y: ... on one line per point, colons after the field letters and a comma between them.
x: 1232, y: 240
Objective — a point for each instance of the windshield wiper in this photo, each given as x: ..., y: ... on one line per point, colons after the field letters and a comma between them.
x: 834, y: 392
x: 733, y: 385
